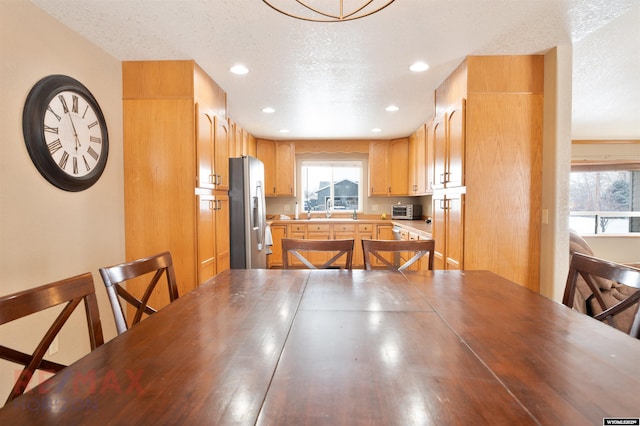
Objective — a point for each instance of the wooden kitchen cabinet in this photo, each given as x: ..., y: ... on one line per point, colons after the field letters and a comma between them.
x: 279, y: 158
x: 206, y: 235
x: 418, y: 162
x: 487, y: 134
x: 429, y: 156
x: 221, y: 147
x: 298, y: 231
x: 205, y: 152
x: 388, y: 162
x: 214, y: 248
x: 223, y: 242
x: 241, y: 142
x: 319, y: 231
x: 448, y: 230
x: 324, y: 230
x: 174, y: 146
x: 365, y: 231
x: 278, y: 232
x: 449, y: 142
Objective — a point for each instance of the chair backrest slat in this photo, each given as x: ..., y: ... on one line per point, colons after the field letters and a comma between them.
x: 114, y: 276
x: 295, y: 246
x: 377, y: 248
x: 70, y: 292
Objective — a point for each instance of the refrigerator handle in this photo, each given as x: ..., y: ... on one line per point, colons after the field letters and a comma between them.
x: 259, y: 215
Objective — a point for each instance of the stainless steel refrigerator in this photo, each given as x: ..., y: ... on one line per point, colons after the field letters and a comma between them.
x: 247, y: 213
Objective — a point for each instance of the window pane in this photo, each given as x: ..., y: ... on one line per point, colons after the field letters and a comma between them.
x: 334, y: 185
x: 604, y: 202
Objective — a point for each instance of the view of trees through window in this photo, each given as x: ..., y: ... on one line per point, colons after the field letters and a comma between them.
x: 331, y: 185
x: 605, y: 202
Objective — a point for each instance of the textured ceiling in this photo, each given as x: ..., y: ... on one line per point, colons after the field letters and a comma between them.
x: 334, y: 80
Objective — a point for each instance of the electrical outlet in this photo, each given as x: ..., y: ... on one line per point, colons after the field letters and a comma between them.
x: 374, y: 208
x: 286, y: 207
x: 54, y: 346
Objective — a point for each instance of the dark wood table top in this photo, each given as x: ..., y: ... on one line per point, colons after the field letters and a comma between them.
x: 349, y: 347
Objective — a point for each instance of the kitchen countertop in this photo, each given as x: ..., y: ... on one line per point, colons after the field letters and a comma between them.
x: 418, y: 226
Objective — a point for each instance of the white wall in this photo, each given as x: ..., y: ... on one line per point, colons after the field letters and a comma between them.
x: 556, y: 154
x: 45, y: 233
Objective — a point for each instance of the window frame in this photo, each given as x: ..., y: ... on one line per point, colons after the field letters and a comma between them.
x: 591, y: 166
x: 325, y: 162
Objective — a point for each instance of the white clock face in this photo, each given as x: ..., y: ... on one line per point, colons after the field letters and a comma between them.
x: 73, y: 134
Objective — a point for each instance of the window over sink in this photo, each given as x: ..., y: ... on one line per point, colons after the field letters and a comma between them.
x: 333, y: 185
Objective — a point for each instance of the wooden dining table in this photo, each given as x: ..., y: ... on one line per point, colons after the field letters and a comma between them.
x: 335, y: 347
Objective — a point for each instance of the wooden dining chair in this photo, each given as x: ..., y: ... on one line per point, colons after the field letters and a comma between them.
x: 70, y: 292
x: 114, y: 276
x: 295, y: 246
x: 376, y: 249
x: 591, y: 269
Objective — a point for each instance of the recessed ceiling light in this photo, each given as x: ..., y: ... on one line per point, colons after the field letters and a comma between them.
x: 268, y: 110
x: 392, y: 108
x: 284, y: 130
x: 376, y: 130
x: 239, y: 69
x: 419, y: 67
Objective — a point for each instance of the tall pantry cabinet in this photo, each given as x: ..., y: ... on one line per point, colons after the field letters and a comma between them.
x: 487, y: 133
x: 176, y: 169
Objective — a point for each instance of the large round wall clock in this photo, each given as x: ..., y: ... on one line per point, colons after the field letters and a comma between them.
x: 65, y: 133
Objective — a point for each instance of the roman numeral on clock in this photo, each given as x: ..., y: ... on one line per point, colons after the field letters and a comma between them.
x: 50, y: 129
x: 54, y: 146
x: 74, y: 107
x: 92, y: 153
x: 65, y: 108
x: 63, y: 161
x: 52, y: 112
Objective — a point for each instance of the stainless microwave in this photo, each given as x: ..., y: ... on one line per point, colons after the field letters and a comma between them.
x: 406, y: 211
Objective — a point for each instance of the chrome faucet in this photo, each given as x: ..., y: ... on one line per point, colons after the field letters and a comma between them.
x: 328, y: 206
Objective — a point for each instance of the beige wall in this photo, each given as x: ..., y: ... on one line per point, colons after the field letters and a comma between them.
x: 46, y: 233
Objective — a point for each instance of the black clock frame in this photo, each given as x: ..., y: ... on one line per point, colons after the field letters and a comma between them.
x: 33, y: 114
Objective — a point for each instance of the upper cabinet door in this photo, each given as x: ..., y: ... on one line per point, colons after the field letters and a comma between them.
x: 420, y: 161
x: 286, y: 168
x: 266, y: 152
x: 439, y: 152
x: 456, y: 141
x: 221, y: 137
x: 378, y: 168
x: 204, y: 149
x: 448, y: 150
x: 398, y: 162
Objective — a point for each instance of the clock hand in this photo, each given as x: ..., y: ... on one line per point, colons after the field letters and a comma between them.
x: 75, y: 133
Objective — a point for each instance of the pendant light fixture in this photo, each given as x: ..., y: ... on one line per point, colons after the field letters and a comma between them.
x: 342, y: 10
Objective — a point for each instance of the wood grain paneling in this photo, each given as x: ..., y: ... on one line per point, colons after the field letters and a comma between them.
x: 505, y: 74
x: 157, y: 79
x: 504, y: 163
x: 452, y: 89
x: 157, y: 175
